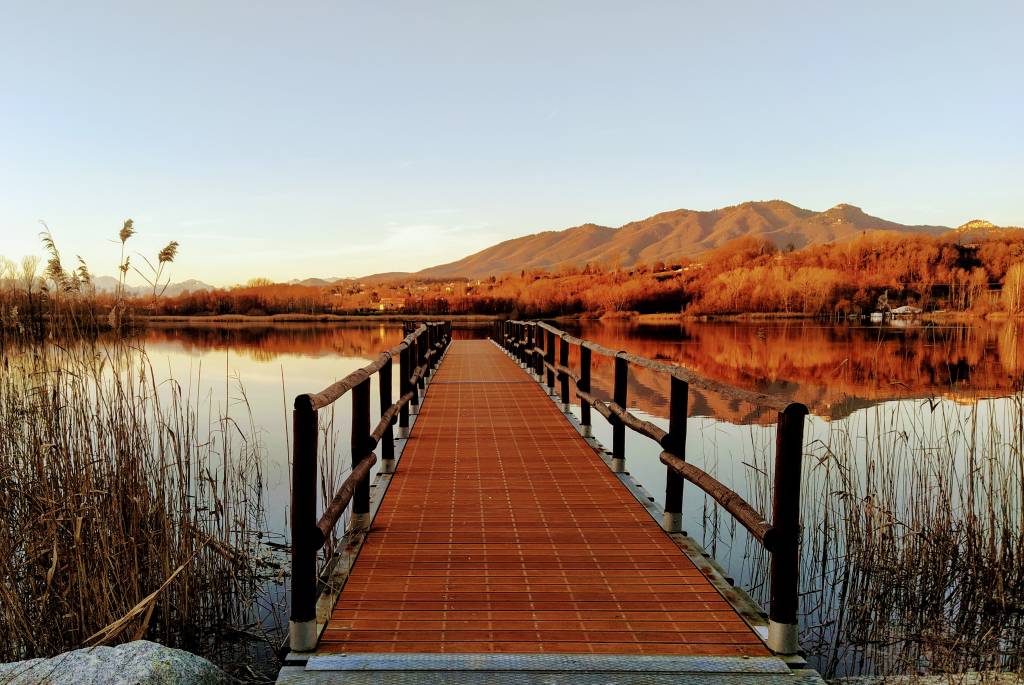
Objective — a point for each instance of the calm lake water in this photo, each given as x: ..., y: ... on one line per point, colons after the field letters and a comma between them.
x: 913, y: 461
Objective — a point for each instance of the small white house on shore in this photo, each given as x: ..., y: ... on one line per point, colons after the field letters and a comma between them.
x: 906, y: 312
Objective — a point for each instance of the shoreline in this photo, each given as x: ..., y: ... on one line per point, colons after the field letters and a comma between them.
x: 665, y: 318
x: 317, y: 318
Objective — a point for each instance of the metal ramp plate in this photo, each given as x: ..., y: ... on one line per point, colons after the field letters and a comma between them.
x: 546, y: 669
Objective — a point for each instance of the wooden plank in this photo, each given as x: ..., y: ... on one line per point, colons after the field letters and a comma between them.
x: 503, y: 532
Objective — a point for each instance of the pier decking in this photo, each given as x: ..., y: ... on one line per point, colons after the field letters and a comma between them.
x: 506, y: 550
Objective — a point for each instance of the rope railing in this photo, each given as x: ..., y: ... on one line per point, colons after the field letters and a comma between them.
x: 543, y: 350
x: 418, y: 355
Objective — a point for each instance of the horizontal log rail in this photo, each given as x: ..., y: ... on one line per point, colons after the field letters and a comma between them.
x: 544, y: 350
x: 387, y: 419
x: 730, y: 501
x: 729, y: 391
x: 342, y: 497
x: 418, y: 355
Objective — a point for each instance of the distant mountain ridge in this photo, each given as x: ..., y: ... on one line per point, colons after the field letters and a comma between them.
x: 315, y: 282
x: 670, y: 236
x: 108, y: 284
x: 978, y: 230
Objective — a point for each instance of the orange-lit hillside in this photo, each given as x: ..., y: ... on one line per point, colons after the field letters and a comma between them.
x: 961, y: 272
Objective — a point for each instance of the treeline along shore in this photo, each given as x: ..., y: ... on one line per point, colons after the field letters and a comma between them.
x: 968, y: 276
x: 956, y: 275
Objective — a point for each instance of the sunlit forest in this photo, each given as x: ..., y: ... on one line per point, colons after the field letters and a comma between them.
x: 746, y: 275
x: 876, y: 271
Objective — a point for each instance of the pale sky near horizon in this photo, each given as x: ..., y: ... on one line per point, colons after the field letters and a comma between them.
x: 341, y: 139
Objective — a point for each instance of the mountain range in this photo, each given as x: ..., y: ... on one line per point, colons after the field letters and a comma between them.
x: 108, y: 284
x: 669, y: 236
x: 664, y: 237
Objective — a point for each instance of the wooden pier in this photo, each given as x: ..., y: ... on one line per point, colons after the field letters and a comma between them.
x: 501, y: 544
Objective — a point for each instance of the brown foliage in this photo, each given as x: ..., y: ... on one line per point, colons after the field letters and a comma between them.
x: 746, y: 275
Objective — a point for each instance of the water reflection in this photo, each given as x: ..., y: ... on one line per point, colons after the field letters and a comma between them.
x: 833, y: 369
x: 264, y: 343
x: 900, y: 434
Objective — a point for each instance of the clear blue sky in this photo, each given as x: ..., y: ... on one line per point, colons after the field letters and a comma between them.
x: 293, y: 139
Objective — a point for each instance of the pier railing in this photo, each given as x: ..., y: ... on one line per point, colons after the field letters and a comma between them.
x: 418, y: 355
x: 544, y: 350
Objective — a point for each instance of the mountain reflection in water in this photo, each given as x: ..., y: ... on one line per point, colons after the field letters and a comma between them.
x: 834, y: 369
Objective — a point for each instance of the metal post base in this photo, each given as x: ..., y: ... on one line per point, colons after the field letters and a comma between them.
x: 618, y: 465
x: 387, y: 465
x: 359, y: 522
x: 402, y: 433
x: 302, y: 636
x: 783, y: 638
x: 672, y: 522
x: 586, y: 431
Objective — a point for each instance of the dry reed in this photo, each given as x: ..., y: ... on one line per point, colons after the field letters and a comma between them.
x: 130, y: 509
x: 912, y: 558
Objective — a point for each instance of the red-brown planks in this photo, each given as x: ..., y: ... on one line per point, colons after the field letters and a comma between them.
x: 502, y: 531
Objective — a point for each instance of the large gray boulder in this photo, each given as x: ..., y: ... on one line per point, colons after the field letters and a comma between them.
x: 133, y: 663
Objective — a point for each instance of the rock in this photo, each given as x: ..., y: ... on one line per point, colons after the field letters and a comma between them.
x: 133, y: 663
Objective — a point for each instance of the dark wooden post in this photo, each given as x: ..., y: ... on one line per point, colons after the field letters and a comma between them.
x: 523, y: 343
x: 438, y: 343
x: 549, y: 357
x: 531, y: 361
x: 537, y: 361
x: 421, y: 357
x: 584, y: 385
x: 431, y: 348
x: 302, y: 624
x: 360, y: 441
x: 527, y: 344
x: 404, y: 386
x: 563, y: 360
x: 675, y: 442
x: 387, y: 441
x: 618, y: 428
x: 529, y: 333
x: 783, y: 631
x: 435, y: 345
